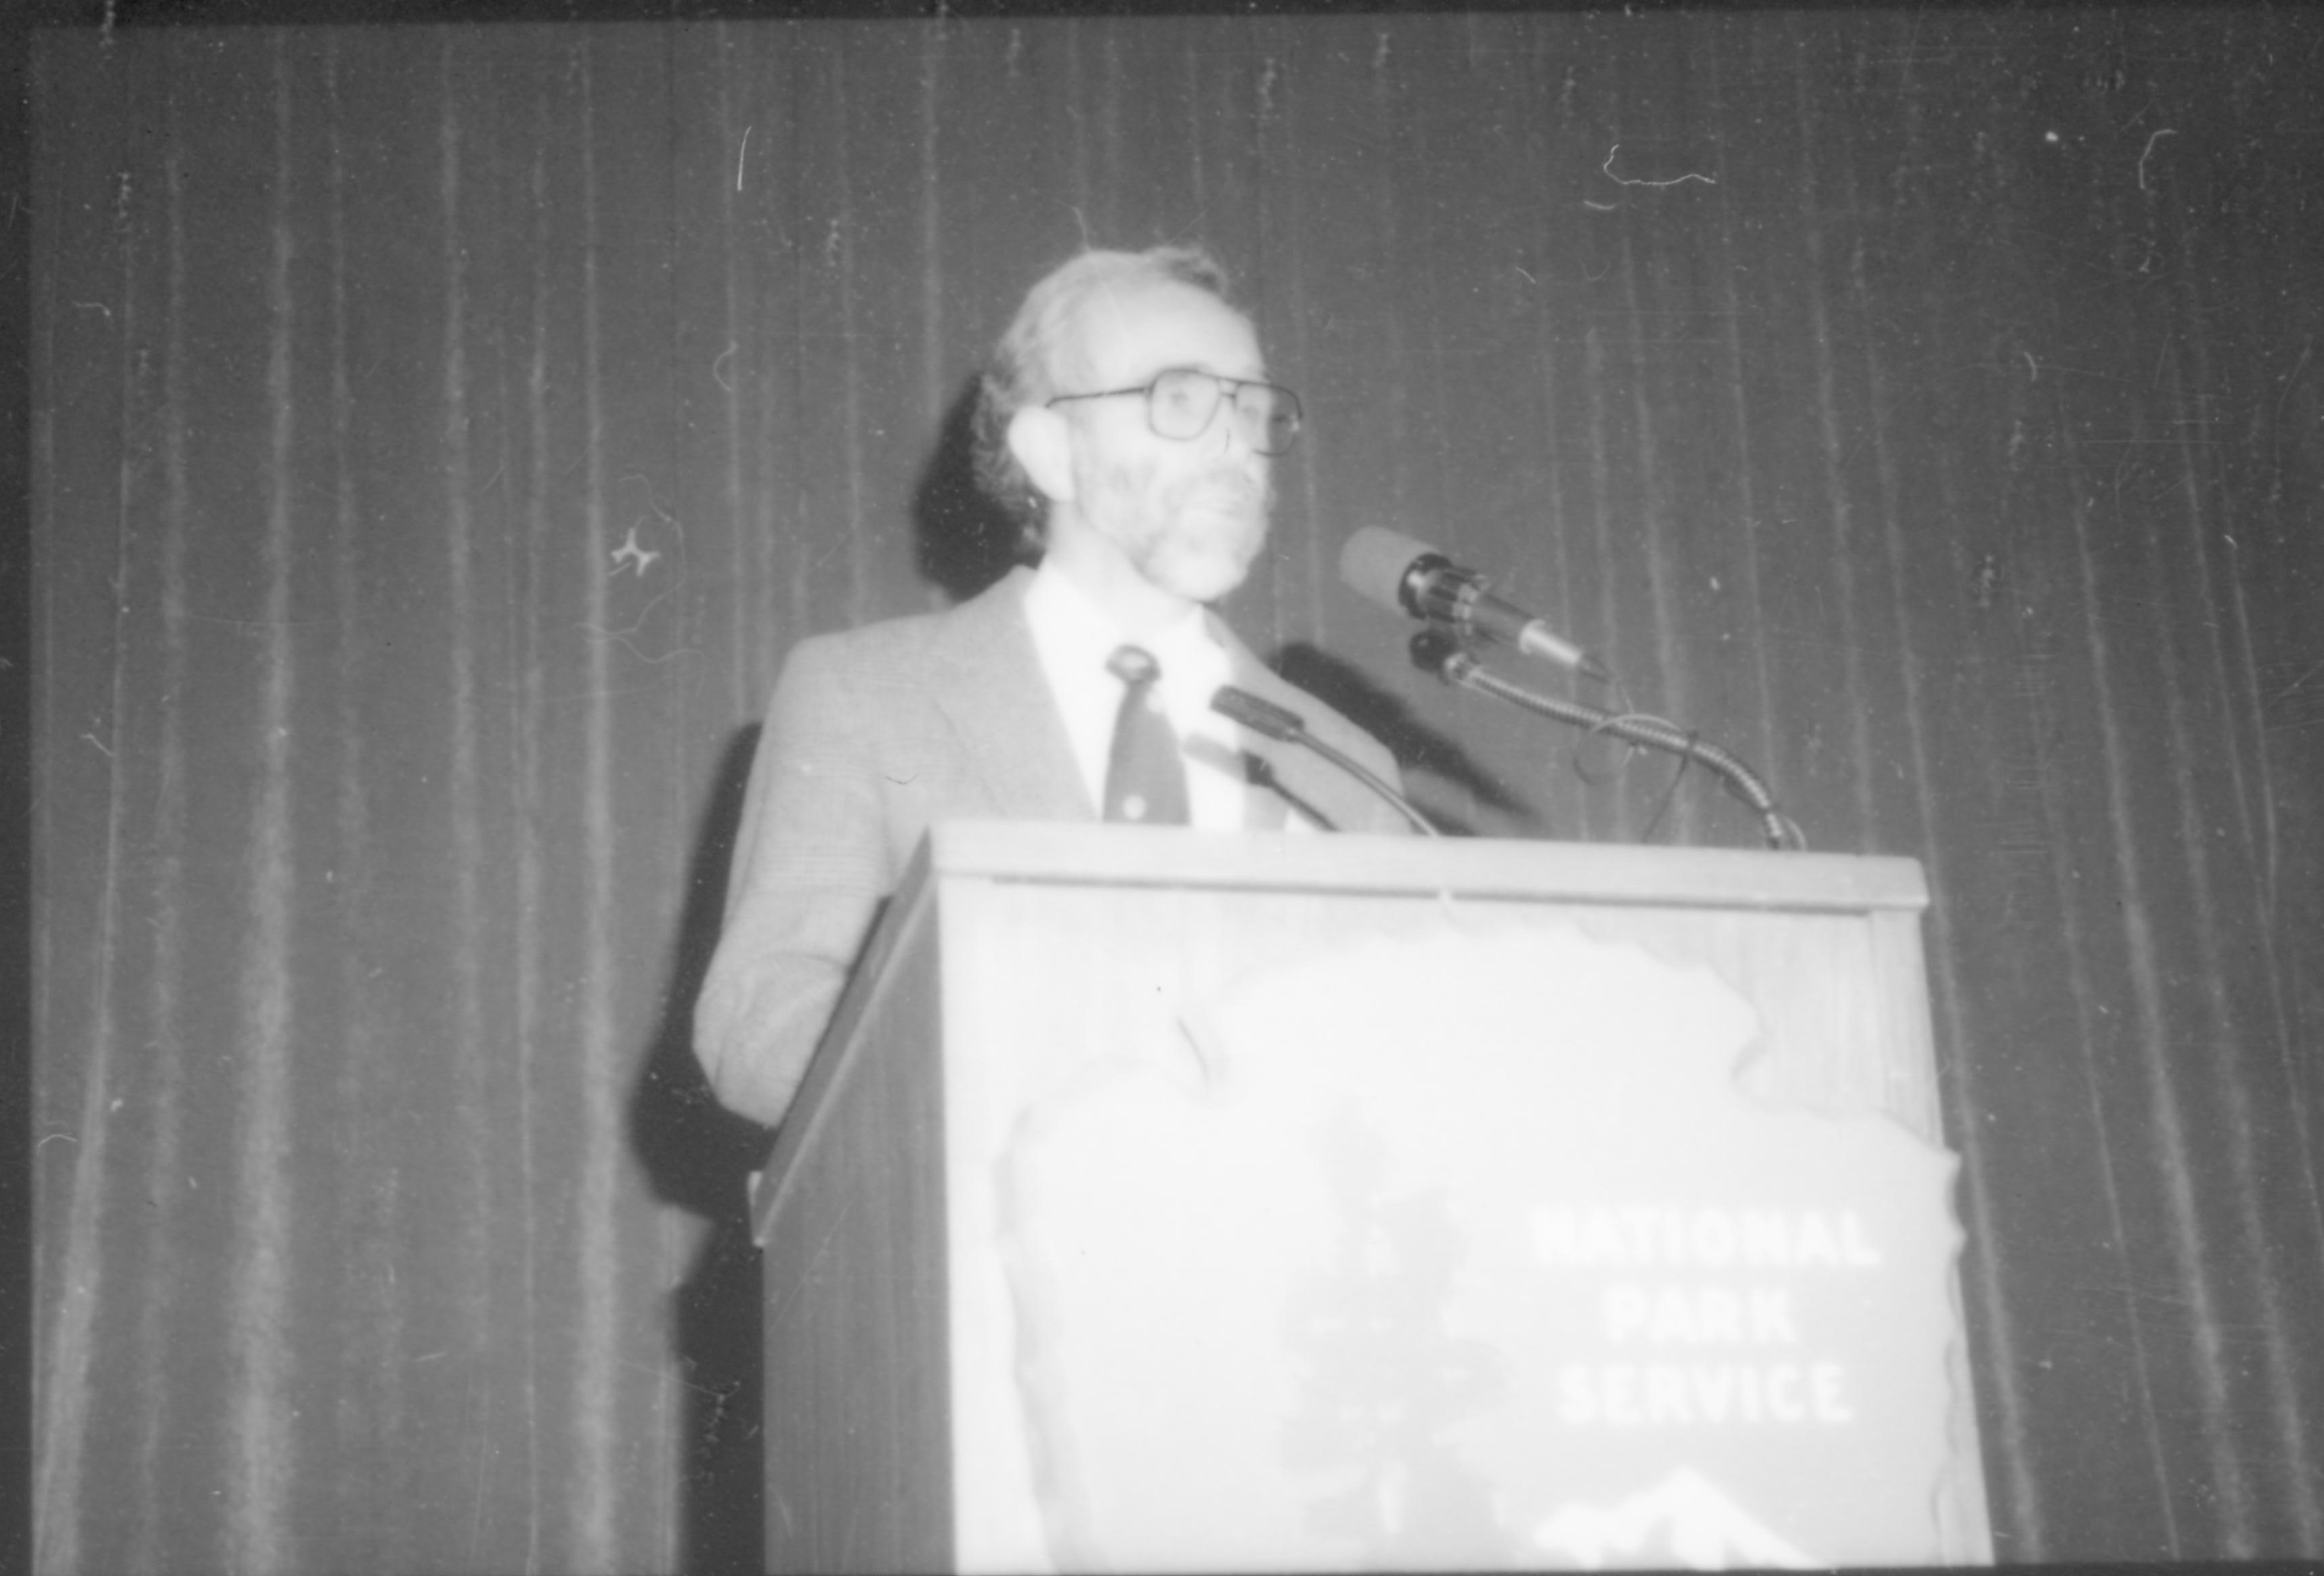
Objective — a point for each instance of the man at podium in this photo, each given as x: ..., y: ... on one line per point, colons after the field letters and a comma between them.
x: 1128, y: 422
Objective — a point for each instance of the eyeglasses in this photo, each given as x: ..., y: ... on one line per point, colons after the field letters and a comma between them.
x: 1182, y: 402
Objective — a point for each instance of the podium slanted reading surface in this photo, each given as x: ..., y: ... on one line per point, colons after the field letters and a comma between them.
x: 1166, y: 1200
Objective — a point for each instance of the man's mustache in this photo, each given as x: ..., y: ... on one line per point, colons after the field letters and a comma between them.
x: 1235, y: 489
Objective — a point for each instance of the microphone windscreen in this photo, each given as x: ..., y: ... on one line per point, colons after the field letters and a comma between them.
x: 1373, y: 563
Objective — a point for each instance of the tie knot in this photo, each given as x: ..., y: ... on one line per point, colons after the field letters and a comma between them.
x: 1134, y: 664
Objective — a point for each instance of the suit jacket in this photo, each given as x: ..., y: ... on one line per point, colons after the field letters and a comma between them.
x: 873, y: 735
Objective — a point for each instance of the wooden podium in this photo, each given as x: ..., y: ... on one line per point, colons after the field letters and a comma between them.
x: 1169, y: 1200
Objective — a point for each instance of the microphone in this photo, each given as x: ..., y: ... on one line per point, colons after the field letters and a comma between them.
x: 1412, y: 577
x: 1287, y: 726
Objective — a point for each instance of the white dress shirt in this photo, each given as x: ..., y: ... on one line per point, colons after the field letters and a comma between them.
x: 1073, y: 638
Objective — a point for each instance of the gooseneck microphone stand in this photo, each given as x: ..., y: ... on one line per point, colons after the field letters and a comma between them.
x: 1437, y: 649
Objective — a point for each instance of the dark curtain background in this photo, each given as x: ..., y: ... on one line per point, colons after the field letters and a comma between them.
x: 442, y: 434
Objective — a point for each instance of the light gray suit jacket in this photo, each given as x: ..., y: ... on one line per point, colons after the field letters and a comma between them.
x: 875, y: 734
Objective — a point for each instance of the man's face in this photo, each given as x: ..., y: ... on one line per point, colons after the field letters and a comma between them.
x: 1189, y: 515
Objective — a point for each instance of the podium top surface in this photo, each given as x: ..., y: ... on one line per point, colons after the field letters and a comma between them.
x: 1081, y: 853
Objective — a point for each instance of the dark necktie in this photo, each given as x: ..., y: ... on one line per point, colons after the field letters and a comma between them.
x: 1144, y: 777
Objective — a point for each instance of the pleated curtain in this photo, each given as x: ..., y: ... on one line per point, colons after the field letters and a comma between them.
x: 440, y: 434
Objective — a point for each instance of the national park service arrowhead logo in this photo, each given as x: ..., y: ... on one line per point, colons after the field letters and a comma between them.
x: 1437, y: 1249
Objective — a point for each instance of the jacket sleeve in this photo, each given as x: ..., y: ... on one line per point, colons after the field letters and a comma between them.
x: 811, y: 868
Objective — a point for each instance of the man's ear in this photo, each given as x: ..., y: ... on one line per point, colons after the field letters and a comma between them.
x: 1043, y: 443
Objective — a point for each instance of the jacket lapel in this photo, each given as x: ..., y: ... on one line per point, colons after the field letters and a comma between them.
x: 990, y: 686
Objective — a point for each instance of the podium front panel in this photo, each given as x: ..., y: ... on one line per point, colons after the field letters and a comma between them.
x: 1253, y: 1250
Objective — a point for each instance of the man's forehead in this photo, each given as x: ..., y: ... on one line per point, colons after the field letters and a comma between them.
x: 1135, y: 328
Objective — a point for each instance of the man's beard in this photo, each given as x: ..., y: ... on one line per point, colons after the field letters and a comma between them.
x: 1197, y: 535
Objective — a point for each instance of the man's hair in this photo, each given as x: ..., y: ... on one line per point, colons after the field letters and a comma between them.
x: 1025, y: 367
